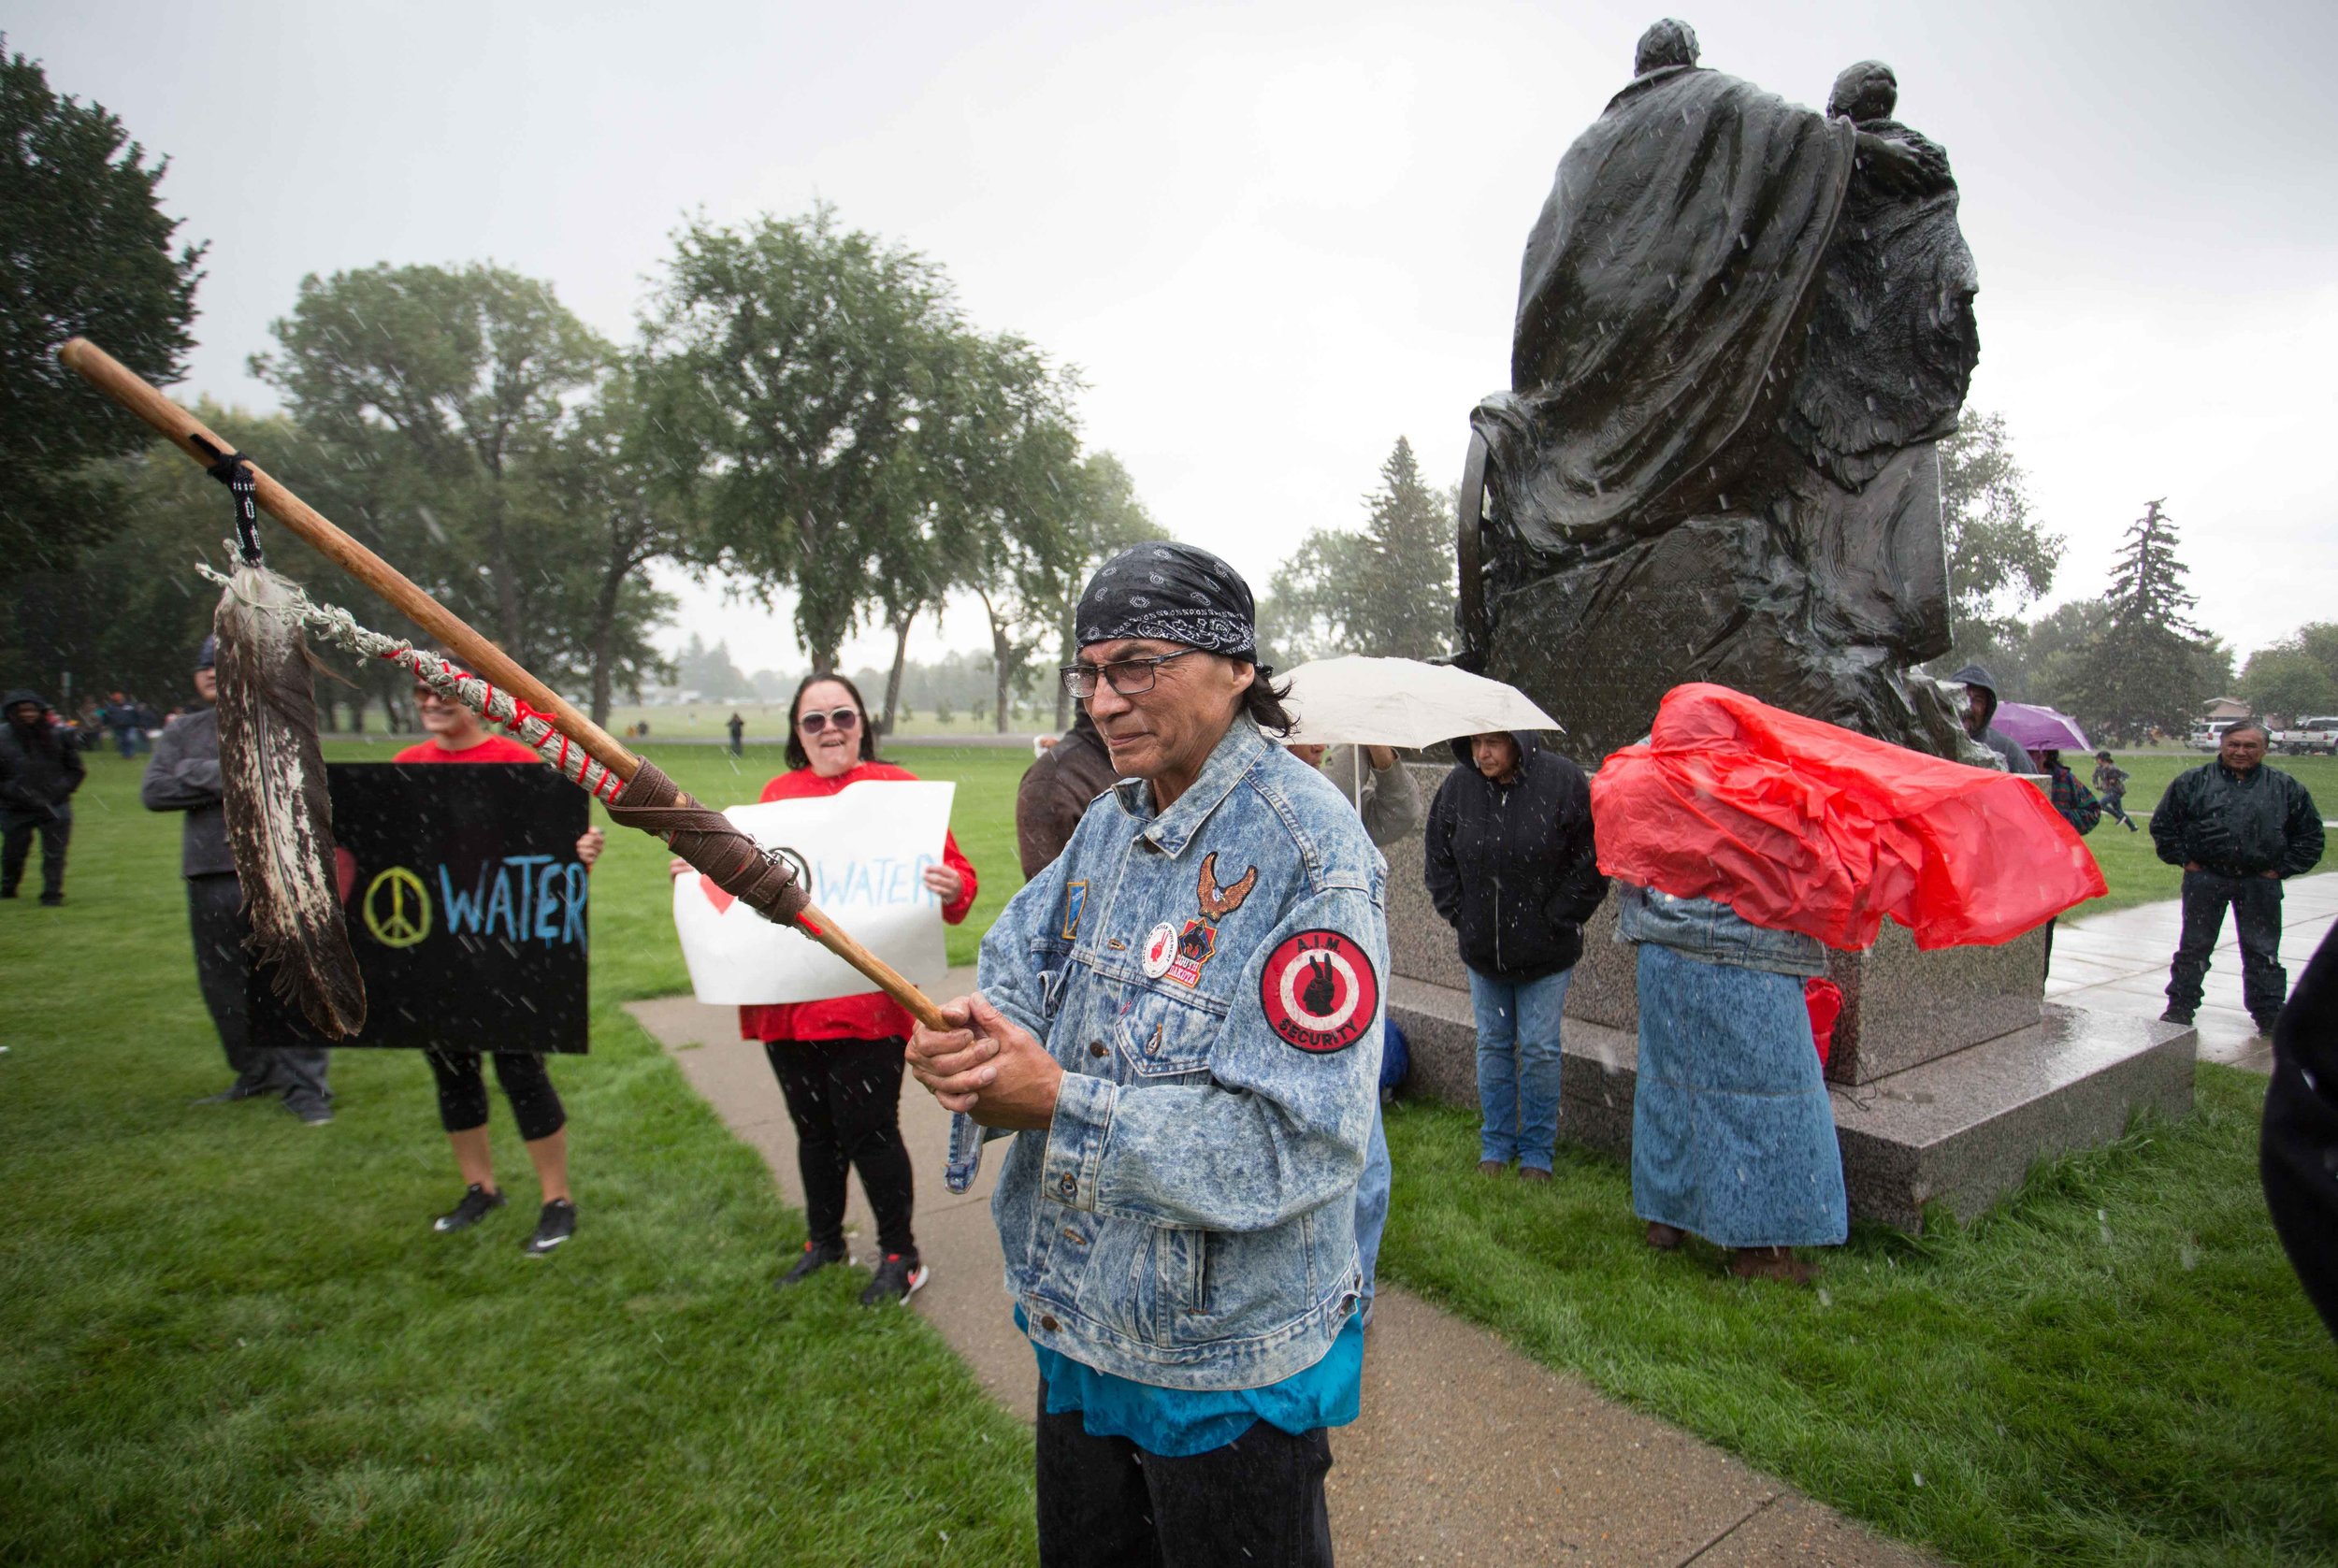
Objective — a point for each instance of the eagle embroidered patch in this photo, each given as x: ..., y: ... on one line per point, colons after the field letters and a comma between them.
x: 1320, y: 991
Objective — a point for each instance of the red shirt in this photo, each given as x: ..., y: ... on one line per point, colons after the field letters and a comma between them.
x: 871, y: 1015
x: 495, y: 748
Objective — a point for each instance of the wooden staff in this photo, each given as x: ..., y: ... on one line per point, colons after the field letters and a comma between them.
x: 189, y: 434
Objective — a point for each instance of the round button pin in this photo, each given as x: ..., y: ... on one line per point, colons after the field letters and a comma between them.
x: 1160, y: 950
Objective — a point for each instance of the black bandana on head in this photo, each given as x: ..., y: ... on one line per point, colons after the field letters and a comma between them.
x: 1170, y: 593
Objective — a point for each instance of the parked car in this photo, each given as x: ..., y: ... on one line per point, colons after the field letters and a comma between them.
x: 2209, y: 734
x: 2313, y: 737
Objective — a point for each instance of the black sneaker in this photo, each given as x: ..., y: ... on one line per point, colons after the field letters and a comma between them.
x: 477, y: 1204
x: 2265, y: 1025
x: 51, y: 900
x: 896, y: 1279
x: 312, y: 1113
x: 813, y: 1261
x: 2177, y: 1015
x: 556, y: 1225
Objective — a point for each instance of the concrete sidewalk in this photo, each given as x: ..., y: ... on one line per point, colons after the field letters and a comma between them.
x: 2118, y: 963
x: 1466, y: 1452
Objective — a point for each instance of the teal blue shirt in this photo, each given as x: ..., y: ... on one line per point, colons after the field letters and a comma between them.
x: 1178, y: 1422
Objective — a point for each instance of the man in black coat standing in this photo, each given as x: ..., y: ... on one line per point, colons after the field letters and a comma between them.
x: 184, y: 776
x: 2237, y: 829
x: 39, y: 770
x: 1511, y: 864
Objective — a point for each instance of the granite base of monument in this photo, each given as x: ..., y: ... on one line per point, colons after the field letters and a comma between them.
x: 1962, y: 1130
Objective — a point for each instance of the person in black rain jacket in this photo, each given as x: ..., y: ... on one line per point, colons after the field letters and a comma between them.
x: 39, y: 770
x: 1510, y: 866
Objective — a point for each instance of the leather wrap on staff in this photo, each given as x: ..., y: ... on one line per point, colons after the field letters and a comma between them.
x: 707, y: 839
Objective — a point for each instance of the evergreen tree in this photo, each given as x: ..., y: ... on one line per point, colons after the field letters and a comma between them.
x: 2151, y: 668
x: 1386, y: 591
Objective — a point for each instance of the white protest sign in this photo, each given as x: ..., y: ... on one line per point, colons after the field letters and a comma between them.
x: 863, y: 852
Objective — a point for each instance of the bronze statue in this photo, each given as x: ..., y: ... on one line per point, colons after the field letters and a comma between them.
x: 1741, y: 328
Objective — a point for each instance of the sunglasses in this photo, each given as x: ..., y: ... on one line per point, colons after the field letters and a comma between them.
x: 845, y: 719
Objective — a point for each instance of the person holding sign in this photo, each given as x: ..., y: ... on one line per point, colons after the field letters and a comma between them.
x: 1181, y: 1015
x: 839, y: 1060
x: 456, y: 735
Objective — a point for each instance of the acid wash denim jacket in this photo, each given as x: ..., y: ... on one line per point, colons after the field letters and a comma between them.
x: 1210, y: 978
x: 1714, y: 932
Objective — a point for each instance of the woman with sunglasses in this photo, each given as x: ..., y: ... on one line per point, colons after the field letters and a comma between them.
x: 456, y: 735
x: 839, y: 1060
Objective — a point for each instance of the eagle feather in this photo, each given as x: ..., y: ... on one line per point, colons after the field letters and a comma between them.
x: 280, y: 814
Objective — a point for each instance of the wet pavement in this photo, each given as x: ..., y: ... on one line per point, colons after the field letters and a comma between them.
x: 2118, y: 963
x: 1466, y: 1452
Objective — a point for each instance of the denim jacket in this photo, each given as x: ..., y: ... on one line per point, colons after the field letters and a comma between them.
x: 1702, y: 929
x: 1210, y: 978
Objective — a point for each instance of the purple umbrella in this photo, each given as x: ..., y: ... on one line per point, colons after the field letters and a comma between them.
x: 2038, y: 730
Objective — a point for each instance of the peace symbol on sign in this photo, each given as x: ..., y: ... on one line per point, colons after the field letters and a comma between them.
x: 397, y: 908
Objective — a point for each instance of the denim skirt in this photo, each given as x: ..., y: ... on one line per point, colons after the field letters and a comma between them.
x: 1732, y: 1136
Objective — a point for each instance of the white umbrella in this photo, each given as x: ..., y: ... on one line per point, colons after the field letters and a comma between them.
x: 1402, y: 702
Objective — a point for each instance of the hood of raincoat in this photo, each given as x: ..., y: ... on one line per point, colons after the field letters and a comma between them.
x: 1523, y: 738
x: 1974, y: 675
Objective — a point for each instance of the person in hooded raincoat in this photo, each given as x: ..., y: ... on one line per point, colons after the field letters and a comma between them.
x: 1512, y: 867
x: 1980, y: 707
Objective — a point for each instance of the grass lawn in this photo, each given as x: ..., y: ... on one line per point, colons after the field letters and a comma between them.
x: 226, y: 1338
x: 2118, y: 1367
x: 2135, y: 874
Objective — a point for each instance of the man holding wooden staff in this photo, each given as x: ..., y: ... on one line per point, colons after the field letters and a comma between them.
x: 1182, y: 1014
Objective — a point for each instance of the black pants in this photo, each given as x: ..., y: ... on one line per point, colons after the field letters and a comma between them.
x: 16, y: 847
x: 845, y: 1097
x: 2256, y: 902
x: 223, y: 967
x: 463, y: 1092
x: 1104, y: 1501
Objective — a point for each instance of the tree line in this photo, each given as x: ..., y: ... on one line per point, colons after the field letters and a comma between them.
x: 807, y: 411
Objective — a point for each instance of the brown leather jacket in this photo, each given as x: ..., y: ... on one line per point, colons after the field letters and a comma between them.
x: 1056, y: 791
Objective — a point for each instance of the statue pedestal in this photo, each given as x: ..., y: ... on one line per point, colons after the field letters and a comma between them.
x: 1949, y: 1075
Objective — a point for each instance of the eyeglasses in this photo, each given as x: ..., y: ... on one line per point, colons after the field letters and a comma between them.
x: 1128, y: 677
x: 816, y: 721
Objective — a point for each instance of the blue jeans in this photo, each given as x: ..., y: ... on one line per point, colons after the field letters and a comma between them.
x: 1372, y: 1203
x: 1518, y: 1067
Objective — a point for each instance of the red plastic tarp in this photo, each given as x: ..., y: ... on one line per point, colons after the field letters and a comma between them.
x: 1801, y: 825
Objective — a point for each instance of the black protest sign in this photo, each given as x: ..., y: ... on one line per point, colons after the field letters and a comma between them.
x: 465, y: 907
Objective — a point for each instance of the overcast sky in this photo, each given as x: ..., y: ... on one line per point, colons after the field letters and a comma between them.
x: 1274, y: 238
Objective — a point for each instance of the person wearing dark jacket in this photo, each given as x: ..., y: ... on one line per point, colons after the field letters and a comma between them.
x: 1056, y: 791
x: 182, y: 775
x: 1980, y: 707
x: 39, y: 771
x: 2237, y: 828
x: 1511, y: 864
x: 2301, y: 1128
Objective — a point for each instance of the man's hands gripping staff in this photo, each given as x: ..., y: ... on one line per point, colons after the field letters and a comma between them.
x: 988, y: 1067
